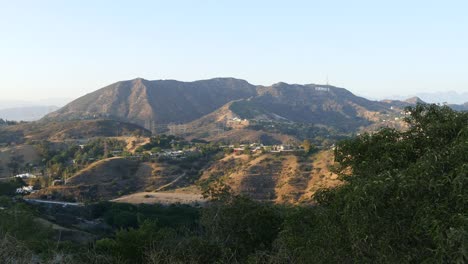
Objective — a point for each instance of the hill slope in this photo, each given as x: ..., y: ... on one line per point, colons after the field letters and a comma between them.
x: 154, y: 104
x: 76, y: 129
x: 104, y: 179
x: 322, y: 105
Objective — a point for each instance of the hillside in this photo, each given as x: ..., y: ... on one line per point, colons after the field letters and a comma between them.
x: 199, y: 104
x: 226, y: 126
x: 279, y: 178
x: 156, y: 102
x: 77, y: 129
x: 320, y: 105
x: 101, y: 180
x: 28, y: 154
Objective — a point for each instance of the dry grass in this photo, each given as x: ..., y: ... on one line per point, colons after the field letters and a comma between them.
x: 283, y: 178
x: 27, y: 151
x: 320, y: 176
x: 161, y: 198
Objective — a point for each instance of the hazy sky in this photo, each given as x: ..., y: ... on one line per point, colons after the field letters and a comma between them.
x: 374, y: 48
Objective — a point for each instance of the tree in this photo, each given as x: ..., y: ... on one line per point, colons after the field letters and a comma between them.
x: 217, y: 191
x: 307, y: 145
x: 405, y: 194
x: 241, y: 226
x: 8, y: 188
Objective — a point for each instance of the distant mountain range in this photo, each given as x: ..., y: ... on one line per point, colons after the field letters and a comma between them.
x: 278, y: 112
x: 168, y: 101
x: 450, y: 97
x: 17, y: 110
x: 59, y: 102
x: 26, y: 113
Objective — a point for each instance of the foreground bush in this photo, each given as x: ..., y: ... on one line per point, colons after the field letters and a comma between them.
x: 404, y: 199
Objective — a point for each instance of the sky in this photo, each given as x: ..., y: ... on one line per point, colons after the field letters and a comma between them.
x: 65, y: 49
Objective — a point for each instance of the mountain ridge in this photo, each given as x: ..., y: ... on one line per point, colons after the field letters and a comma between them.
x: 159, y: 104
x: 160, y: 101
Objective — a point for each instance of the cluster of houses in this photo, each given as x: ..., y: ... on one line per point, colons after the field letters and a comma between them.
x: 171, y: 153
x: 167, y: 153
x: 25, y: 189
x: 256, y: 147
x: 237, y: 119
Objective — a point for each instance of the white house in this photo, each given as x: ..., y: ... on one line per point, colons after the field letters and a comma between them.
x: 25, y: 176
x: 25, y: 189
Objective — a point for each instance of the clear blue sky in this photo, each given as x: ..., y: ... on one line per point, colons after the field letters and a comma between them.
x: 374, y: 48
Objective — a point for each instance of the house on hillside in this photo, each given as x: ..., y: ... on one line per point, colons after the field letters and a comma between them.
x: 282, y: 148
x: 257, y: 149
x: 239, y: 150
x: 25, y: 190
x: 26, y: 176
x: 286, y: 148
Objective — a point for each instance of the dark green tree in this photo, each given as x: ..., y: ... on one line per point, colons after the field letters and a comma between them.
x: 405, y: 193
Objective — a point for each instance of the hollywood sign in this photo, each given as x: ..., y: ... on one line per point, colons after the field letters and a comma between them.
x: 322, y: 89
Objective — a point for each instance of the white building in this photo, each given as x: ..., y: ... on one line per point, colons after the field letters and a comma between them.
x: 25, y: 189
x: 26, y: 176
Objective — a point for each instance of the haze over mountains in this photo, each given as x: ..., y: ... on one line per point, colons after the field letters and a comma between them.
x: 26, y: 113
x: 18, y: 110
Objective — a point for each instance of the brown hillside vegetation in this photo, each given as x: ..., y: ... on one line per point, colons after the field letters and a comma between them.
x: 280, y: 178
x: 78, y: 129
x: 27, y: 152
x: 225, y: 126
x: 274, y: 177
x: 101, y: 180
x: 114, y: 177
x: 161, y: 101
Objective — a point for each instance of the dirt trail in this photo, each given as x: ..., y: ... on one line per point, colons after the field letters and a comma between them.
x: 171, y: 183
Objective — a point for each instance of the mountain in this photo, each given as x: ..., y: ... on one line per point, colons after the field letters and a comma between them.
x: 414, y: 100
x: 460, y: 107
x: 59, y: 102
x: 26, y: 113
x: 158, y: 103
x: 316, y: 104
x: 450, y: 97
